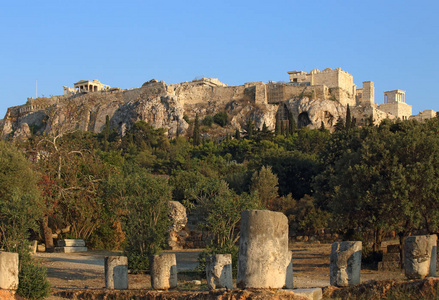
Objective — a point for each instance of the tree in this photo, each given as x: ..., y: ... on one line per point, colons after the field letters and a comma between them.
x: 385, y: 180
x: 20, y: 210
x: 221, y: 118
x: 237, y: 134
x: 73, y: 173
x: 250, y: 128
x: 291, y: 123
x: 340, y: 125
x: 196, y: 137
x: 277, y: 128
x: 265, y: 184
x: 207, y: 121
x: 221, y: 209
x: 143, y: 199
x: 106, y: 133
x: 348, y: 124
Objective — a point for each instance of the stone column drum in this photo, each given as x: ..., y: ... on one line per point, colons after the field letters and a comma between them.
x: 420, y: 256
x: 289, y: 283
x: 345, y: 264
x: 263, y: 250
x: 219, y: 271
x: 8, y: 271
x: 163, y: 271
x: 116, y: 272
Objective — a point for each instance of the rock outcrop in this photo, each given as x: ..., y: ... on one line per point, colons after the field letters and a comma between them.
x: 177, y: 214
x: 166, y: 106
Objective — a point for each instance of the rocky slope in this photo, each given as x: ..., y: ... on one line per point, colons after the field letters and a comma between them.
x: 164, y: 106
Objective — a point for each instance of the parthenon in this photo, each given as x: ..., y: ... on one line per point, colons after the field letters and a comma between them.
x: 86, y: 86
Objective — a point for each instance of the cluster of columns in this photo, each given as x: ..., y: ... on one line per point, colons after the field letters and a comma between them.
x: 264, y: 260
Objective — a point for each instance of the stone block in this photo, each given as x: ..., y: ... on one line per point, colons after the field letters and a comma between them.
x: 219, y: 271
x: 41, y: 248
x: 70, y: 249
x: 289, y: 280
x: 116, y: 272
x: 263, y: 250
x: 389, y: 266
x: 163, y: 271
x: 391, y: 257
x: 71, y: 243
x: 311, y: 294
x: 33, y: 247
x: 8, y: 270
x: 420, y: 255
x: 393, y: 248
x: 345, y: 263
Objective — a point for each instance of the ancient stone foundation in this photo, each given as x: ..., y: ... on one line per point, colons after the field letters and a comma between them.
x: 263, y: 250
x: 8, y: 271
x: 345, y: 265
x: 420, y: 254
x: 219, y: 271
x: 116, y: 272
x: 163, y: 271
x: 391, y: 259
x: 71, y: 246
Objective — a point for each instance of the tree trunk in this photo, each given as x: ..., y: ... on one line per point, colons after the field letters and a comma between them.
x: 402, y: 236
x: 48, y: 238
x: 378, y: 239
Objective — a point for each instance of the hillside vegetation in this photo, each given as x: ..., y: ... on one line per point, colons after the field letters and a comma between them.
x: 361, y: 183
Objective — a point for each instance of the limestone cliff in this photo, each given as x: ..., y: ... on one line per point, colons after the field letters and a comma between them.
x: 166, y: 105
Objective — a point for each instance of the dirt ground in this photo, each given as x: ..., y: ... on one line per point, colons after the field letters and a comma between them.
x: 86, y: 270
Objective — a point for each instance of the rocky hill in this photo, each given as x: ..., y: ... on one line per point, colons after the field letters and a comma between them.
x: 167, y: 106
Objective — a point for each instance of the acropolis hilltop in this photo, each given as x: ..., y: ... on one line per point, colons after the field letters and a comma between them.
x: 313, y: 98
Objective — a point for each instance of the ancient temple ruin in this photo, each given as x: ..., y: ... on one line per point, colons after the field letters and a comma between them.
x: 86, y: 86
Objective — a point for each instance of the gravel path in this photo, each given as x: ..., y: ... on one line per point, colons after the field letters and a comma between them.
x: 86, y: 270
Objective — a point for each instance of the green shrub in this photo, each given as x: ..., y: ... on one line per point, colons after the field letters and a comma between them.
x: 32, y: 278
x: 207, y: 121
x: 221, y: 118
x: 144, y: 200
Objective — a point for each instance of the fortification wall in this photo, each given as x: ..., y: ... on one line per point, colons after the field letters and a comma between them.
x: 424, y: 115
x: 400, y: 110
x: 195, y: 94
x: 346, y: 82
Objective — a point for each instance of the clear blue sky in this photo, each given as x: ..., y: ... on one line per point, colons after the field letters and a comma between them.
x: 125, y: 43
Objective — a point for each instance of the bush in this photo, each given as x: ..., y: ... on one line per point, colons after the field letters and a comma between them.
x: 207, y: 121
x: 144, y: 200
x: 32, y: 278
x: 221, y: 118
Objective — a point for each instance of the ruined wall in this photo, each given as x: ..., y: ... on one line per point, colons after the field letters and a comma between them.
x: 190, y: 94
x: 368, y: 93
x: 424, y: 115
x: 399, y: 110
x: 256, y: 92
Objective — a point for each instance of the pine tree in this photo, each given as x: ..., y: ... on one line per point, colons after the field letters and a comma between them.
x: 348, y: 124
x: 250, y: 129
x: 340, y: 125
x: 264, y: 128
x: 196, y: 138
x: 277, y: 128
x: 282, y: 129
x: 370, y: 121
x: 106, y: 133
x: 291, y: 123
x: 322, y: 126
x: 237, y: 134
